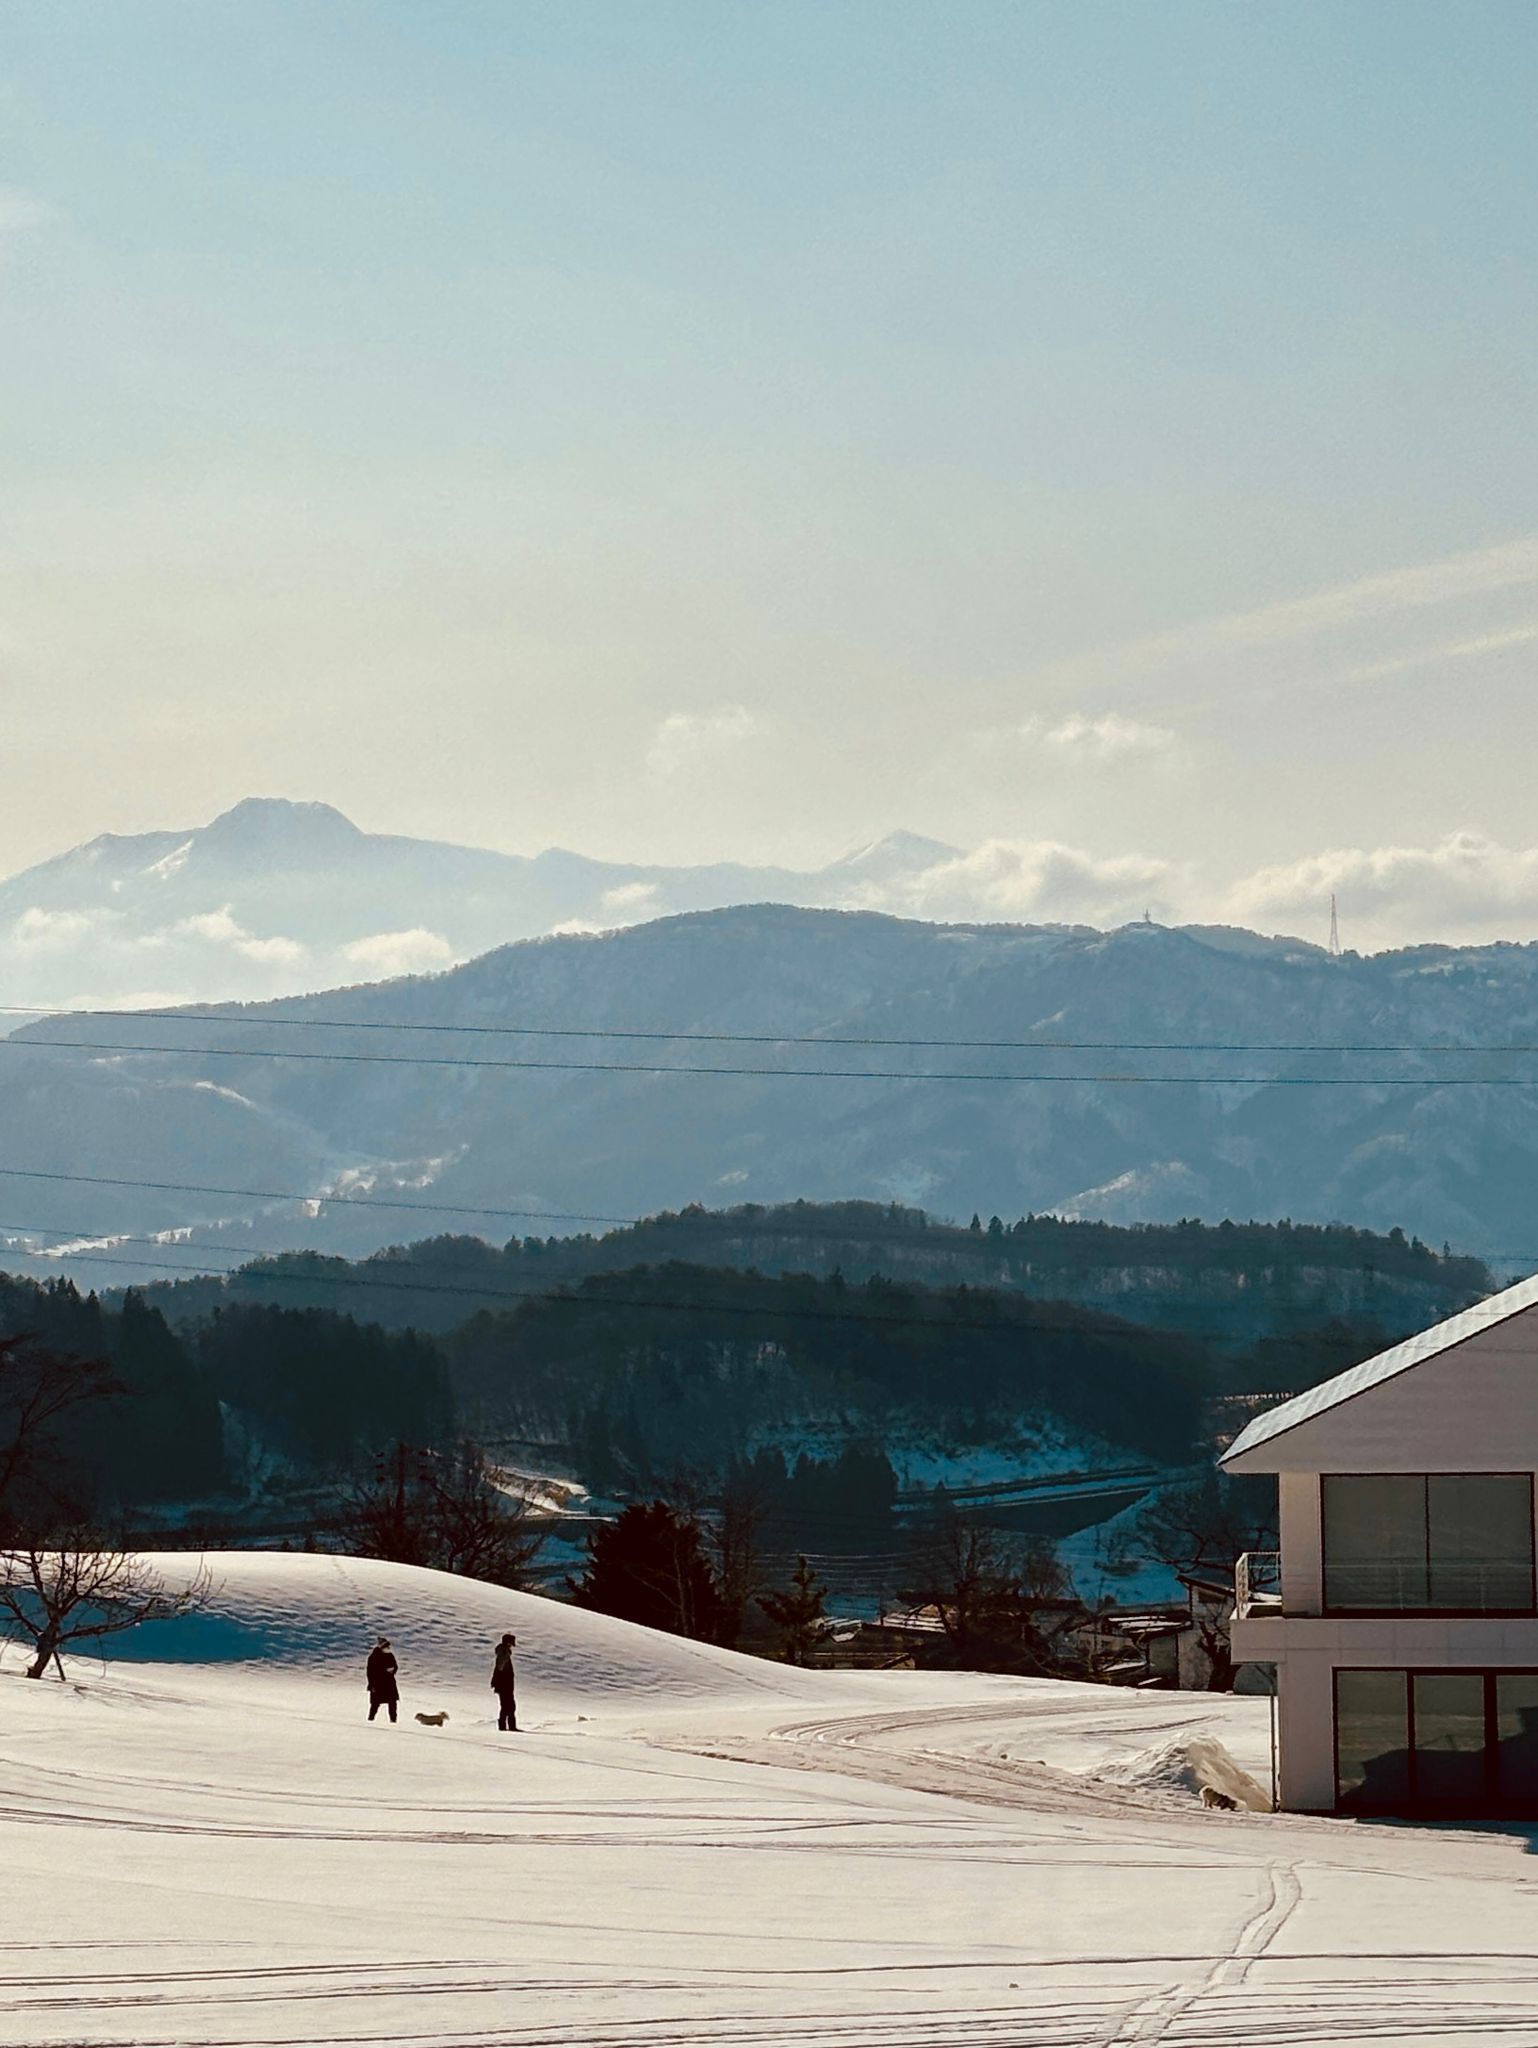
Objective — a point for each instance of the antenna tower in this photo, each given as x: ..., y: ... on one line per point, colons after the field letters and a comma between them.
x: 1334, y: 931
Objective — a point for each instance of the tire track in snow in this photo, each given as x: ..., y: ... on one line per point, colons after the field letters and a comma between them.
x: 1150, y: 2021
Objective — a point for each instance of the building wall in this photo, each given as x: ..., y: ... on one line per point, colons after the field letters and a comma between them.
x: 1472, y: 1408
x: 1301, y: 1535
x: 1307, y: 1653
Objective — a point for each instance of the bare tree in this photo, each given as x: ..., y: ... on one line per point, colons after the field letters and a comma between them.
x: 483, y: 1530
x: 39, y: 1389
x: 1002, y: 1603
x: 389, y: 1514
x: 80, y: 1591
x: 737, y: 1537
x: 447, y: 1510
x: 1200, y: 1532
x: 1207, y: 1527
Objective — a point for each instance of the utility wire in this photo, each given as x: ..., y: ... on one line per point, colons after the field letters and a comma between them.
x: 558, y: 1294
x: 400, y: 1059
x: 361, y: 1201
x: 198, y: 1015
x: 368, y: 1202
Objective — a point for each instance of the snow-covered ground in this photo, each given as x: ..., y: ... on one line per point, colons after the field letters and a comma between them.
x: 205, y: 1843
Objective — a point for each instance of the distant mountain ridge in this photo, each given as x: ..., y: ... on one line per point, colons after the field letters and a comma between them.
x: 546, y: 1130
x: 275, y: 898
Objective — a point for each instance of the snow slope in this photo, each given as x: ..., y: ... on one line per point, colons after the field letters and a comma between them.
x: 204, y: 1843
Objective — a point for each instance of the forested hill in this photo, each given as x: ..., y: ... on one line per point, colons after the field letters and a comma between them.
x: 629, y: 1377
x: 665, y: 1368
x: 764, y: 1053
x: 1232, y: 1283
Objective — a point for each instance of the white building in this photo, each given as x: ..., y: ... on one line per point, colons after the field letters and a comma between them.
x: 1402, y: 1620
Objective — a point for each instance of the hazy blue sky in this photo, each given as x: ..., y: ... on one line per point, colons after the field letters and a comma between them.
x: 1103, y: 435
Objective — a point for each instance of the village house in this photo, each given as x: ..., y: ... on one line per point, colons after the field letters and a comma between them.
x: 1401, y: 1614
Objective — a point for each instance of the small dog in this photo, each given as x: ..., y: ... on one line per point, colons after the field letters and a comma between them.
x: 437, y: 1721
x: 1211, y: 1796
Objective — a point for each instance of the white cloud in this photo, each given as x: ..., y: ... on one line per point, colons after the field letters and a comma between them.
x: 21, y: 211
x: 1463, y: 887
x: 685, y: 738
x: 1038, y: 881
x: 383, y: 954
x: 55, y: 931
x: 1110, y: 737
x: 273, y: 952
x: 217, y: 926
x: 630, y: 898
x: 221, y: 928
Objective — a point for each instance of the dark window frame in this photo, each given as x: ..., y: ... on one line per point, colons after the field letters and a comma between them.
x: 1492, y: 1805
x: 1429, y: 1612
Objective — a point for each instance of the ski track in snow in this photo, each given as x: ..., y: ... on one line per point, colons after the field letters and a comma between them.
x: 687, y: 1850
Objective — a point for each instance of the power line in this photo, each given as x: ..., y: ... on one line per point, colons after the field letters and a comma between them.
x: 370, y: 1202
x: 393, y: 1059
x: 558, y: 1294
x: 42, y: 1011
x: 366, y: 1203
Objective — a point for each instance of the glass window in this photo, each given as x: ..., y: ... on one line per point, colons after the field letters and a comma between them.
x: 1481, y: 1541
x: 1516, y: 1736
x: 1375, y: 1541
x: 1449, y: 1738
x: 1372, y: 1739
x: 1461, y: 1542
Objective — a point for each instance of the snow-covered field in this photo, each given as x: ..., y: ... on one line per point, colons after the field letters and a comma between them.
x: 205, y: 1843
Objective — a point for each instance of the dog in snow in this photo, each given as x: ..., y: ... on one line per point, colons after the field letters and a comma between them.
x: 437, y: 1721
x: 1211, y: 1796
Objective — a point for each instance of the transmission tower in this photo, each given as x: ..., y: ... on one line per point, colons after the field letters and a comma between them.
x: 1334, y: 931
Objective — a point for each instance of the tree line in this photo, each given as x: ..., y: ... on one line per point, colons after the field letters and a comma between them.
x: 630, y: 1378
x: 1282, y: 1275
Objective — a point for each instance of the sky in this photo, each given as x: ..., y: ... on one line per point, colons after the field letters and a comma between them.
x: 1099, y: 437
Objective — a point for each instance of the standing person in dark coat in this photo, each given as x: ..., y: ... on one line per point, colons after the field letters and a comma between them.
x: 504, y: 1684
x: 382, y: 1688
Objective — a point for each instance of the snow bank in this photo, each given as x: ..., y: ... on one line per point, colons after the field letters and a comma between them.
x: 317, y: 1614
x: 1189, y: 1764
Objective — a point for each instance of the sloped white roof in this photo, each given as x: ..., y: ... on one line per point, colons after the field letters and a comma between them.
x: 1372, y: 1372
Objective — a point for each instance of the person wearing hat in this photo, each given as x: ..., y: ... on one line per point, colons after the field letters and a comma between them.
x: 382, y: 1688
x: 504, y: 1684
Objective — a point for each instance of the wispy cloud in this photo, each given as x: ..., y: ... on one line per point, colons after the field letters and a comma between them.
x: 22, y: 211
x: 222, y: 928
x: 1036, y: 881
x: 685, y: 738
x: 1109, y: 737
x: 1044, y: 749
x: 1480, y: 645
x: 382, y: 955
x: 1366, y: 622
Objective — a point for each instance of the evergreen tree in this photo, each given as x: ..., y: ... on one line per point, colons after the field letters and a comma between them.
x: 651, y: 1567
x: 798, y: 1611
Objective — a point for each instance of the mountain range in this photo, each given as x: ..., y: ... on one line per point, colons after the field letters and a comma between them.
x: 277, y: 898
x: 1148, y: 1074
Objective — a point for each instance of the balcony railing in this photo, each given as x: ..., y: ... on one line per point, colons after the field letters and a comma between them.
x: 1258, y: 1584
x: 1435, y: 1585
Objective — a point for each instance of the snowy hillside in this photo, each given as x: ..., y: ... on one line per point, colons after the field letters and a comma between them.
x: 450, y: 1091
x: 316, y: 1617
x: 686, y: 1850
